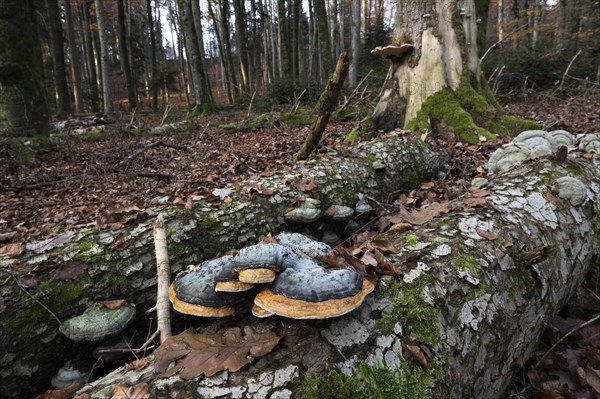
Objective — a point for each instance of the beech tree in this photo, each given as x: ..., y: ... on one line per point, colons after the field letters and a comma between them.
x: 58, y: 58
x: 437, y: 82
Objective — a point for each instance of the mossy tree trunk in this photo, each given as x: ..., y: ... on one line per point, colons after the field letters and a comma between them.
x: 475, y: 307
x: 23, y: 95
x: 119, y: 263
x: 438, y: 84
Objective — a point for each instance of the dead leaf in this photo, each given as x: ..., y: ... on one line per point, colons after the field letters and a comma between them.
x: 475, y: 202
x: 64, y: 393
x: 179, y: 201
x: 222, y: 193
x: 486, y: 234
x: 189, y: 204
x: 549, y: 394
x: 29, y: 280
x: 554, y: 200
x: 119, y: 242
x: 209, y: 353
x: 113, y: 303
x: 399, y: 228
x: 53, y: 242
x: 427, y: 186
x: 4, y: 237
x: 137, y: 364
x: 139, y: 391
x: 269, y: 239
x: 424, y: 215
x: 227, y: 200
x: 385, y: 265
x: 415, y: 349
x: 70, y: 270
x: 384, y: 246
x: 592, y: 377
x: 477, y: 192
x: 368, y: 259
x: 13, y: 249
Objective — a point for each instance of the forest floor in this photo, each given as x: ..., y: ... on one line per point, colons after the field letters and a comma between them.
x: 112, y: 177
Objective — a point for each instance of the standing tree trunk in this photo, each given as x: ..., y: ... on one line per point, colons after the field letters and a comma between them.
x: 295, y: 34
x: 353, y: 77
x: 106, y: 95
x: 75, y: 57
x: 124, y: 56
x: 63, y: 105
x: 437, y: 83
x: 197, y: 16
x: 283, y: 36
x: 92, y: 78
x: 23, y: 96
x: 153, y: 75
x: 324, y: 38
x: 241, y: 36
x: 203, y: 103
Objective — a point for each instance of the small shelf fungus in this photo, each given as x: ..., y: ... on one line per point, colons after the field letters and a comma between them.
x: 309, y: 211
x: 563, y: 138
x: 303, y: 244
x: 570, y: 189
x: 539, y: 142
x: 226, y: 280
x: 507, y: 156
x: 68, y: 375
x: 392, y: 51
x: 339, y: 213
x: 260, y: 263
x: 97, y: 323
x: 193, y: 291
x: 589, y: 143
x: 307, y: 290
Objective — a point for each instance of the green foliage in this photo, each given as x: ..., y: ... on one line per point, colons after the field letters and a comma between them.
x: 378, y: 382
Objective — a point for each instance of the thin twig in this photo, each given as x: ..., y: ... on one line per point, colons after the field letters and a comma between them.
x: 167, y: 110
x: 35, y: 299
x: 250, y: 106
x: 204, y: 131
x: 590, y: 321
x: 562, y: 81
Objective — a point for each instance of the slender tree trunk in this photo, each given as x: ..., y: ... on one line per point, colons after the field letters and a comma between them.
x: 324, y: 38
x: 197, y: 14
x: 227, y: 51
x: 124, y: 56
x: 284, y: 34
x: 92, y: 77
x: 75, y: 57
x: 295, y: 34
x: 23, y: 96
x: 355, y: 43
x: 153, y: 79
x: 241, y: 35
x: 227, y: 84
x: 106, y: 94
x: 58, y: 58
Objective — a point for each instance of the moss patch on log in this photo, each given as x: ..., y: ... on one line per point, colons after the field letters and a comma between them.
x: 372, y: 382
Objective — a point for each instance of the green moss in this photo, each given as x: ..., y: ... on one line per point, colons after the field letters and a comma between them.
x: 468, y: 262
x: 372, y: 382
x: 510, y: 126
x: 364, y: 131
x: 445, y: 221
x: 58, y: 297
x: 211, y: 228
x: 410, y: 179
x: 86, y: 245
x: 573, y: 169
x: 410, y: 306
x: 115, y: 280
x: 345, y: 115
x: 297, y: 118
x: 411, y: 240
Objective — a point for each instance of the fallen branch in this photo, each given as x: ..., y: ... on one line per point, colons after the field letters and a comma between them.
x: 163, y: 271
x: 159, y: 143
x: 40, y: 185
x: 562, y: 81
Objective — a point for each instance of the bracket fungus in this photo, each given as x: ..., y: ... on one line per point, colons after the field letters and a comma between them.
x: 508, y: 156
x: 589, y: 143
x: 193, y: 291
x: 260, y: 263
x: 309, y: 211
x: 97, y: 323
x: 68, y: 375
x: 539, y: 142
x: 339, y: 213
x: 303, y: 244
x: 226, y: 279
x: 563, y: 138
x: 307, y: 290
x: 392, y: 51
x: 571, y: 189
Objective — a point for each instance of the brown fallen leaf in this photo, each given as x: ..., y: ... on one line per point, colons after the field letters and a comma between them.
x: 427, y: 185
x: 399, y: 228
x: 385, y: 265
x: 113, y: 303
x: 385, y: 246
x: 486, y: 234
x: 475, y: 202
x: 70, y: 270
x: 415, y: 349
x: 269, y: 239
x: 554, y: 200
x: 64, y: 393
x: 4, y: 237
x: 179, y: 201
x: 592, y: 377
x: 119, y: 242
x: 139, y: 391
x: 549, y: 394
x: 368, y: 259
x: 209, y: 353
x: 137, y: 364
x: 13, y: 249
x: 189, y: 204
x: 53, y: 242
x: 424, y: 215
x: 29, y: 281
x: 477, y: 192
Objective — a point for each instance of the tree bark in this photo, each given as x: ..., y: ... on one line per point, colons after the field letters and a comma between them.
x: 124, y: 56
x: 324, y: 38
x: 153, y: 63
x: 92, y: 78
x: 474, y: 307
x: 105, y: 67
x: 241, y: 35
x: 119, y: 263
x: 23, y: 96
x: 353, y: 76
x: 58, y: 59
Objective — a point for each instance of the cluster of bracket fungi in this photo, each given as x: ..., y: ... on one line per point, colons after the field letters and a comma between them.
x: 539, y: 143
x: 284, y: 278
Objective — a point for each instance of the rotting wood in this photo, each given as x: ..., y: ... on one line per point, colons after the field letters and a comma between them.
x: 120, y: 264
x: 474, y: 306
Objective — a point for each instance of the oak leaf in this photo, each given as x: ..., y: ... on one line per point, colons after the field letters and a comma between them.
x: 424, y: 215
x: 211, y: 352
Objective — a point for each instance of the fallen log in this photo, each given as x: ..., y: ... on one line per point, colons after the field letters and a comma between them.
x: 68, y: 272
x: 481, y: 282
